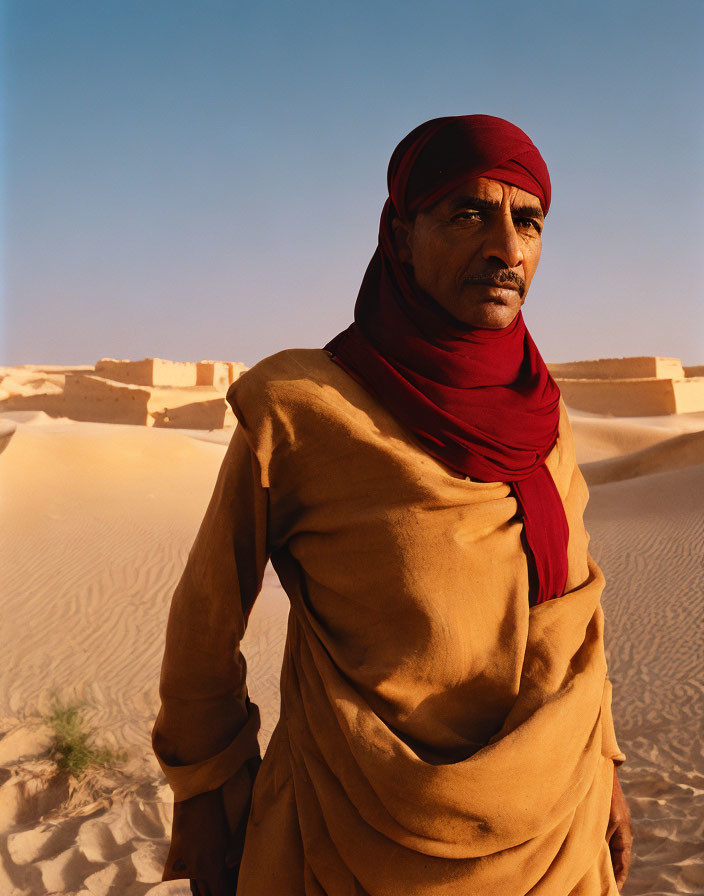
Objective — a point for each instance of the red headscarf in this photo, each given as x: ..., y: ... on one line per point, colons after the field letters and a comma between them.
x: 480, y: 400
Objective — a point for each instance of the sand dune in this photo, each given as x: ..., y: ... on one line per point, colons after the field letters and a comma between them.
x: 686, y: 450
x: 97, y: 520
x: 599, y: 438
x: 648, y: 535
x: 97, y: 523
x: 7, y: 430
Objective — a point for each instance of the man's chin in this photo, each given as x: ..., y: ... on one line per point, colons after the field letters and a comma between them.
x: 491, y: 316
x: 489, y: 313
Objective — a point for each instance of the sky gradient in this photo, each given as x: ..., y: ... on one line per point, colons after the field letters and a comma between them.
x: 204, y: 179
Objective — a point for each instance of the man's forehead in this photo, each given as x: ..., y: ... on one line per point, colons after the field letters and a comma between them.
x: 490, y: 190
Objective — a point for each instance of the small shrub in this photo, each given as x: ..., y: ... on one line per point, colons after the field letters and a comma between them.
x: 72, y: 747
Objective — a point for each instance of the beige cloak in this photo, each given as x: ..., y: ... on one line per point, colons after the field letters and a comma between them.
x: 439, y: 735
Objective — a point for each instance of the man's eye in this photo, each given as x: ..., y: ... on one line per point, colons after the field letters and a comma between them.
x: 467, y: 215
x: 529, y: 224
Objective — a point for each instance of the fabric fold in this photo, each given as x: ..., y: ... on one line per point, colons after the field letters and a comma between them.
x: 187, y: 781
x: 439, y: 732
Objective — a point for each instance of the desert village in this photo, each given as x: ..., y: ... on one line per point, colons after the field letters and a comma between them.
x: 151, y: 392
x: 191, y: 395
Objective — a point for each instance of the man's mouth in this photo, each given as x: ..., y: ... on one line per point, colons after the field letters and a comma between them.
x: 497, y: 290
x: 496, y: 284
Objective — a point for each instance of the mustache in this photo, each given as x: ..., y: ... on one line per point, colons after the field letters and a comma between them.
x: 498, y: 278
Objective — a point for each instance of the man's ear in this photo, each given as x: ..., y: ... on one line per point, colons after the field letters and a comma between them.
x: 402, y: 232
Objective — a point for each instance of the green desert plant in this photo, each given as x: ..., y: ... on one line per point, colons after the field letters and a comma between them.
x: 73, y: 748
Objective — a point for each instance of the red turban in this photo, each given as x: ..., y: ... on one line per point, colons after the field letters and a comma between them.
x: 438, y: 156
x: 480, y: 400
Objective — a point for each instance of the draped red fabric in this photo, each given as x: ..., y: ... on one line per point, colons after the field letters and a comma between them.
x: 480, y: 400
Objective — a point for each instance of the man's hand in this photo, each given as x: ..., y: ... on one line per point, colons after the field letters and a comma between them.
x: 208, y: 835
x: 199, y: 845
x: 618, y: 834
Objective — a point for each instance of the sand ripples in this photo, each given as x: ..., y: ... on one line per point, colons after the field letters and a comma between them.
x: 96, y: 525
x: 648, y: 536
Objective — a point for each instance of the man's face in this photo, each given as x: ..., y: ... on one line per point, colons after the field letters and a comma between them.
x: 476, y: 251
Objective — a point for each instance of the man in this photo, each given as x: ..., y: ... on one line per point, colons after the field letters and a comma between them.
x: 445, y: 717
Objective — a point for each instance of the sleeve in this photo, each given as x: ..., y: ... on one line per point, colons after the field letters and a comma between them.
x: 205, y: 734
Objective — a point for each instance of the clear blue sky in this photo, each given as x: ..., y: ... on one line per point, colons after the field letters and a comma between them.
x: 204, y: 179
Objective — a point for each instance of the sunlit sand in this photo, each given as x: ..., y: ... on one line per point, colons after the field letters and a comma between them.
x: 97, y: 520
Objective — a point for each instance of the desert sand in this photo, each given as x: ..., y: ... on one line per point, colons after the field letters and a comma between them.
x: 97, y: 520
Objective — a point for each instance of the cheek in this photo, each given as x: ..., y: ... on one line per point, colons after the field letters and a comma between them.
x: 425, y: 259
x: 531, y: 257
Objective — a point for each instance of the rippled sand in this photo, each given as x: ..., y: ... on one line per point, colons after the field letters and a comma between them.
x: 96, y: 524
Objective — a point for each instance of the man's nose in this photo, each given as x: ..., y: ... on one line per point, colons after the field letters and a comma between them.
x: 502, y: 241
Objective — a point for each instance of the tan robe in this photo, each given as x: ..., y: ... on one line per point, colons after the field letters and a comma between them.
x: 439, y: 734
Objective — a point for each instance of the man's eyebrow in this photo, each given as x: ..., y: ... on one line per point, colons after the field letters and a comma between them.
x: 474, y: 202
x: 525, y: 210
x: 528, y: 211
